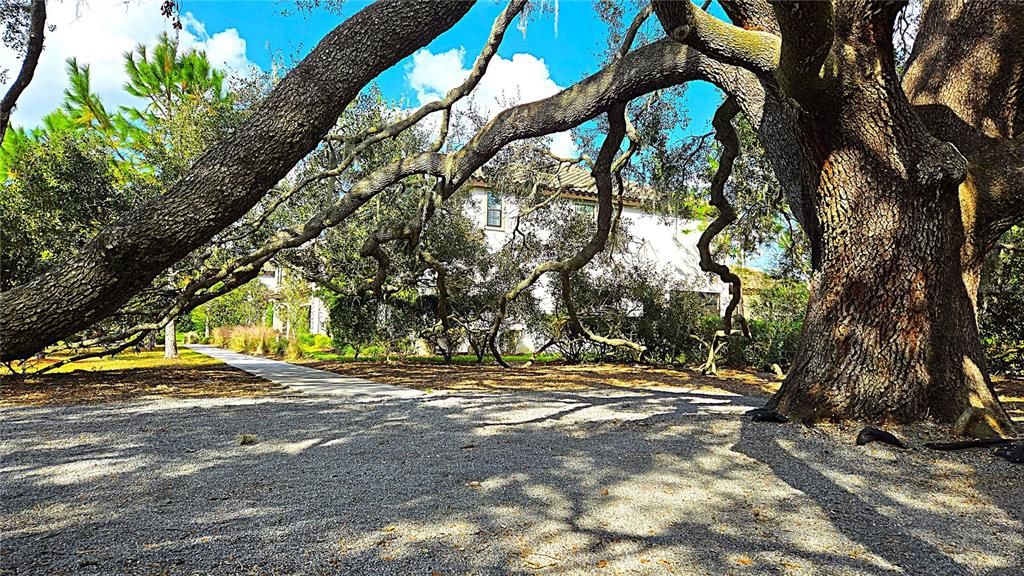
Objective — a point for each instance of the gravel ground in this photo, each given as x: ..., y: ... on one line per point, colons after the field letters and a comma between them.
x: 601, y: 482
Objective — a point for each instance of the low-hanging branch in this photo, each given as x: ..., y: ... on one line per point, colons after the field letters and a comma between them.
x: 570, y: 306
x: 602, y: 174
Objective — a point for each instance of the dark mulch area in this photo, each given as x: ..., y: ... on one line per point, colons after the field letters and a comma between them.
x: 94, y: 387
x: 485, y: 377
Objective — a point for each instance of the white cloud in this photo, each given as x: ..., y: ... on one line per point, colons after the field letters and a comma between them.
x: 523, y: 78
x: 99, y: 35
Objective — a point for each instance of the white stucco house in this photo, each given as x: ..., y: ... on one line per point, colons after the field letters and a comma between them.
x: 272, y: 277
x: 667, y: 241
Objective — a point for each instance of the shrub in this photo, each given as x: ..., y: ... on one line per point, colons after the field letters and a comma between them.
x: 633, y: 300
x: 354, y: 322
x: 322, y: 342
x: 776, y: 321
x: 220, y: 336
x: 258, y: 340
x: 276, y: 347
x: 1001, y: 306
x: 294, y: 350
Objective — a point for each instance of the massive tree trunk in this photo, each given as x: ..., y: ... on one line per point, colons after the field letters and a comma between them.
x: 225, y: 182
x: 899, y: 219
x: 891, y: 332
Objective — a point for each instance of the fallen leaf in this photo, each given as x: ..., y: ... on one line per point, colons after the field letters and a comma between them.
x: 602, y: 563
x: 744, y: 561
x: 604, y: 492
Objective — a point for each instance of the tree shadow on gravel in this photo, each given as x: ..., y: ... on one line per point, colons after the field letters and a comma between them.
x: 527, y: 483
x: 912, y: 509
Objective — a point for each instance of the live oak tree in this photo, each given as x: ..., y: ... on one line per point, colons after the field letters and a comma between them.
x: 901, y: 182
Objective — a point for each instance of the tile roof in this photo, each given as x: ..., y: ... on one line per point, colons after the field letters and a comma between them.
x: 576, y: 181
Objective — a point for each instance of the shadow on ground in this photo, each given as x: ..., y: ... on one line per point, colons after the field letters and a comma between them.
x: 537, y: 482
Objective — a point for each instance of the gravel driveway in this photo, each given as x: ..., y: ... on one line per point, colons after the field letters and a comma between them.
x: 642, y: 482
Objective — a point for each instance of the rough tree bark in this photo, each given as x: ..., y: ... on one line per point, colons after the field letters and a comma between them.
x: 898, y: 218
x: 225, y: 182
x: 170, y: 341
x: 891, y: 332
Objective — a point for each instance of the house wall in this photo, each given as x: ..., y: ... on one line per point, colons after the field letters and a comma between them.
x: 669, y: 242
x: 318, y: 316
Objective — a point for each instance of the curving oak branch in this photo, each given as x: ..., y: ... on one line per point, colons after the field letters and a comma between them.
x: 755, y: 50
x: 602, y: 174
x: 725, y: 133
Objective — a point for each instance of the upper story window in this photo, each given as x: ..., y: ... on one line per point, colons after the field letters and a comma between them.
x: 495, y: 215
x: 585, y: 208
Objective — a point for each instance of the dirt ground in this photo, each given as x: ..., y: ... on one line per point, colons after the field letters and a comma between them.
x: 552, y: 377
x: 149, y: 375
x: 1011, y: 392
x: 548, y: 377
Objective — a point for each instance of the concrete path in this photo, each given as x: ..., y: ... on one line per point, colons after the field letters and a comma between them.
x: 307, y: 380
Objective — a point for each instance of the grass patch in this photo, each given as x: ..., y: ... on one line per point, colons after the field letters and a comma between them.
x: 132, y: 376
x: 123, y: 361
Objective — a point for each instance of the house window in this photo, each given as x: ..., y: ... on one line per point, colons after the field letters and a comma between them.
x: 494, y: 211
x: 585, y: 209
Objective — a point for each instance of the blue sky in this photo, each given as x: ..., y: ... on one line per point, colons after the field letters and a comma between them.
x: 240, y: 33
x: 570, y: 54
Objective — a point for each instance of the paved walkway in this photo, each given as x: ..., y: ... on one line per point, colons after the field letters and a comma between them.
x: 305, y: 379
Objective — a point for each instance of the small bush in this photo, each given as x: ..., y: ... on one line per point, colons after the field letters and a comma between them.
x: 294, y: 350
x: 276, y: 347
x: 258, y: 340
x: 220, y: 336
